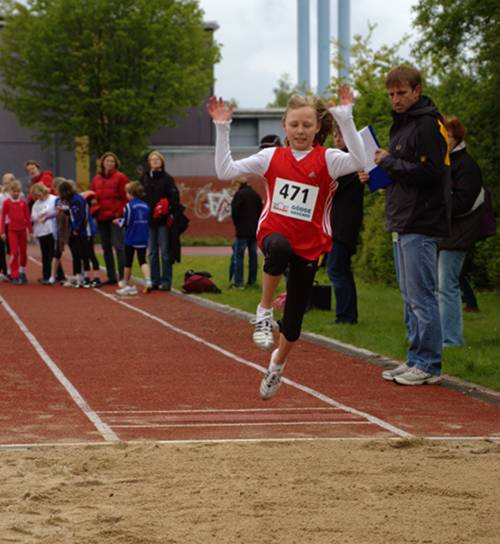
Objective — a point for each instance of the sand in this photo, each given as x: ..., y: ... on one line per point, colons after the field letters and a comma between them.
x: 325, y: 491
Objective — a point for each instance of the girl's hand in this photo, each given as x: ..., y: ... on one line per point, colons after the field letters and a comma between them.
x: 346, y: 96
x: 364, y: 177
x: 219, y: 110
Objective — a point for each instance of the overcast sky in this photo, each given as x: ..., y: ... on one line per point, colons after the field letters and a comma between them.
x: 259, y: 40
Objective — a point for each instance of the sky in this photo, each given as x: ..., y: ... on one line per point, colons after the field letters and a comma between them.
x: 258, y: 40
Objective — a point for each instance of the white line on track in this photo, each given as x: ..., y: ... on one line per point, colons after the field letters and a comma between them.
x: 222, y: 410
x: 309, y: 391
x: 239, y: 424
x: 102, y: 427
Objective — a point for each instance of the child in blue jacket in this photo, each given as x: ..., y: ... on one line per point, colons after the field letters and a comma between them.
x: 135, y: 220
x: 76, y: 207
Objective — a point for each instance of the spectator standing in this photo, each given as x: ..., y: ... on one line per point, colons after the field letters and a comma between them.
x: 162, y: 197
x: 109, y: 187
x: 467, y: 198
x: 15, y: 210
x: 135, y: 221
x: 417, y: 207
x: 43, y: 217
x: 246, y: 207
x: 347, y: 216
x: 36, y: 175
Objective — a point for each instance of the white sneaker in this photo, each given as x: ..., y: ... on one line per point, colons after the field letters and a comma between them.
x: 128, y: 290
x: 391, y: 374
x: 272, y: 381
x: 122, y: 284
x: 415, y: 376
x: 3, y: 277
x: 263, y: 330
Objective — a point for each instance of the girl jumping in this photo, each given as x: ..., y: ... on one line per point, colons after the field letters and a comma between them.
x: 294, y: 228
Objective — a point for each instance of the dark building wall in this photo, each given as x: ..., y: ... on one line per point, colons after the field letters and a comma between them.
x: 196, y: 128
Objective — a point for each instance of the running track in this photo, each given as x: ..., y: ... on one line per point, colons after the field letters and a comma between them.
x: 82, y: 366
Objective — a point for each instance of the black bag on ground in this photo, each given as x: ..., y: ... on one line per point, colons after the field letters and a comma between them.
x: 321, y: 297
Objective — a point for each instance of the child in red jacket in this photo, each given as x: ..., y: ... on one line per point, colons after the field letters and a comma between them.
x: 17, y: 211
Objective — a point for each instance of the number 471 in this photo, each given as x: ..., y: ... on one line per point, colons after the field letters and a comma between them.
x: 290, y: 192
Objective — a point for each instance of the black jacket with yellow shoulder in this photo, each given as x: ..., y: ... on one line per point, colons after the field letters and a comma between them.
x: 418, y: 200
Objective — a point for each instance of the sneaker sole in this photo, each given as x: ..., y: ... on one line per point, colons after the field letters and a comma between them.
x: 433, y: 380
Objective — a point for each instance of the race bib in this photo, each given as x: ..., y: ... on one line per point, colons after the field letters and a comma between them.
x: 293, y: 199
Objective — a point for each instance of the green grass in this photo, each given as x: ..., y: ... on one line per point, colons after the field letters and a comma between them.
x: 380, y: 328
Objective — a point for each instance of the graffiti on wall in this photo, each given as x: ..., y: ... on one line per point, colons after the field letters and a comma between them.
x: 208, y: 202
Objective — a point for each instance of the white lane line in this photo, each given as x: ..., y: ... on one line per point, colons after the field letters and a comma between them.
x: 239, y: 424
x: 316, y: 394
x: 221, y: 410
x: 103, y: 429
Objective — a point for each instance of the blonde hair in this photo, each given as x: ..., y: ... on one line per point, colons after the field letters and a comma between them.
x: 39, y: 189
x: 14, y: 184
x: 323, y: 115
x: 7, y: 178
x: 159, y: 155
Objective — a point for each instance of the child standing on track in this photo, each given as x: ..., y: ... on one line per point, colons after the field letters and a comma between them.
x: 294, y: 228
x: 16, y: 211
x: 43, y: 214
x: 135, y: 220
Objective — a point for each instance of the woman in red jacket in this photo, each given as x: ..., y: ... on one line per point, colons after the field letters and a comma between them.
x: 109, y: 186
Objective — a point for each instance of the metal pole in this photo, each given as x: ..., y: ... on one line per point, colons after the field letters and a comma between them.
x: 303, y: 43
x: 344, y: 37
x: 323, y: 46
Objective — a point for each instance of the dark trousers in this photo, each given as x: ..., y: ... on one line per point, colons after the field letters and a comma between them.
x: 3, y: 259
x: 92, y: 256
x: 278, y: 257
x: 338, y: 265
x: 238, y: 260
x: 129, y: 255
x: 47, y: 245
x: 79, y: 253
x: 112, y: 238
x: 468, y: 295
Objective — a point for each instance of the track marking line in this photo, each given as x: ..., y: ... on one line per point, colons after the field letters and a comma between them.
x: 221, y: 410
x: 102, y: 427
x: 239, y: 424
x: 308, y: 390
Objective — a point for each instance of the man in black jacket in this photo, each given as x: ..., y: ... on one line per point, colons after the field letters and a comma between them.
x: 418, y: 215
x: 246, y: 208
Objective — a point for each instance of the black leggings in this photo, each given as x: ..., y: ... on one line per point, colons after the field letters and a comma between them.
x: 278, y: 256
x: 47, y: 245
x: 79, y: 252
x: 91, y: 252
x: 129, y: 255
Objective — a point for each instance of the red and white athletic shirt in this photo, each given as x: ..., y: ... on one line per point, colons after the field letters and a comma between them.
x: 298, y: 201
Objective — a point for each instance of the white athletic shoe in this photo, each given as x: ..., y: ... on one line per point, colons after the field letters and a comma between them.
x: 391, y: 374
x: 263, y: 329
x: 128, y: 290
x: 272, y: 381
x: 416, y: 376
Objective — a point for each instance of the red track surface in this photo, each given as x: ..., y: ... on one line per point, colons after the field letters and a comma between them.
x: 89, y: 367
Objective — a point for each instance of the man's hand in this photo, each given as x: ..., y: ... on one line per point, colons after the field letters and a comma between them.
x: 380, y: 155
x: 219, y: 110
x: 364, y: 177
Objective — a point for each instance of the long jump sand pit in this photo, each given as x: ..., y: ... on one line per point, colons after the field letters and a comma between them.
x: 322, y: 491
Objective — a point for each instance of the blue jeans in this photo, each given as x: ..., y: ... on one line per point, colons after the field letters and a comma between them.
x: 238, y: 260
x: 416, y: 268
x: 450, y: 300
x: 158, y: 251
x: 338, y: 266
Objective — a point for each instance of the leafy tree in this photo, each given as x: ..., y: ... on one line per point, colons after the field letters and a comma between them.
x: 111, y: 70
x: 459, y: 45
x: 285, y: 90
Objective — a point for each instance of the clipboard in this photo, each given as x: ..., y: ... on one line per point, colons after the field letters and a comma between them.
x: 378, y: 178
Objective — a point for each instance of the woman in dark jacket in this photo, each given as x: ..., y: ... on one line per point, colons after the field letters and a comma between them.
x: 467, y: 202
x: 162, y: 196
x: 109, y: 187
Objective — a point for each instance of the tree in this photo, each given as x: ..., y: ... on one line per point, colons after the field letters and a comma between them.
x: 111, y: 70
x: 285, y: 90
x: 459, y: 45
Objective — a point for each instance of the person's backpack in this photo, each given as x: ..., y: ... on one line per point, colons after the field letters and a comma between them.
x: 199, y: 282
x: 488, y: 220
